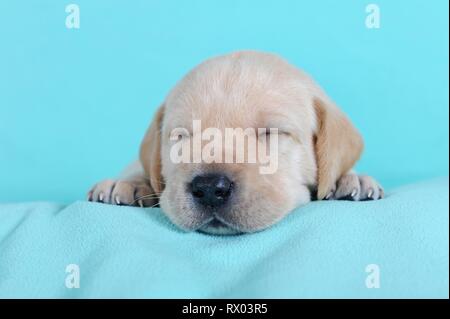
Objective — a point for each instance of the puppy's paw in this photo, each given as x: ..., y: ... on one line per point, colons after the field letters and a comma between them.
x: 356, y: 188
x: 123, y: 192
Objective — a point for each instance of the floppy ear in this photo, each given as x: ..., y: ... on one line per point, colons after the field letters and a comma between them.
x: 150, y: 153
x: 338, y: 145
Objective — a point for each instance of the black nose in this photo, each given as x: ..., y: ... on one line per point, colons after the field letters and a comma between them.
x: 211, y: 190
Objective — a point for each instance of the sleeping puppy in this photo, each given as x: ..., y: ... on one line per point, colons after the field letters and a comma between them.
x: 316, y: 148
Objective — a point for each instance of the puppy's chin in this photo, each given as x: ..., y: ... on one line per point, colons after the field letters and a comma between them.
x: 216, y: 227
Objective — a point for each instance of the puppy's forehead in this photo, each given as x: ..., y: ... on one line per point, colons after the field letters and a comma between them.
x: 222, y: 114
x: 243, y: 90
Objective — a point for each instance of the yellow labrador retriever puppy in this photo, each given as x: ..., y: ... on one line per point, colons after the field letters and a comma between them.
x: 315, y: 150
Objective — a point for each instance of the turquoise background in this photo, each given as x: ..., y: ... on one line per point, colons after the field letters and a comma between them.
x: 74, y: 104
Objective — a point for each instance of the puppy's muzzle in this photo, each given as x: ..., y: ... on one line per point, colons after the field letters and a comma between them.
x: 212, y: 190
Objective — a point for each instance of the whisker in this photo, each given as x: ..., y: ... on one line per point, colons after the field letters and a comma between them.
x: 149, y: 196
x: 153, y: 205
x: 154, y: 180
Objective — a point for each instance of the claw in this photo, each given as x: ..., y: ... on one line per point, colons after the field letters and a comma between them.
x: 100, y: 197
x: 117, y: 200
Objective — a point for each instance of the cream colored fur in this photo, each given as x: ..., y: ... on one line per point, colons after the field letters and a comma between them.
x: 318, y: 145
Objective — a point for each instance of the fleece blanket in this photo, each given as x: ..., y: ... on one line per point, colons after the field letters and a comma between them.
x: 393, y: 248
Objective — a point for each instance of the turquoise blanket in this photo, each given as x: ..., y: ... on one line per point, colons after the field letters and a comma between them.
x: 396, y: 247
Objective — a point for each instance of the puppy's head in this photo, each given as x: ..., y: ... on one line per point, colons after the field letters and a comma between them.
x: 312, y: 141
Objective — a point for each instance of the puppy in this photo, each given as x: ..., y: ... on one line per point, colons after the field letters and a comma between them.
x: 317, y: 147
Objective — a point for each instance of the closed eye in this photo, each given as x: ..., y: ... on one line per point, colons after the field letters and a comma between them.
x: 272, y: 131
x: 179, y: 133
